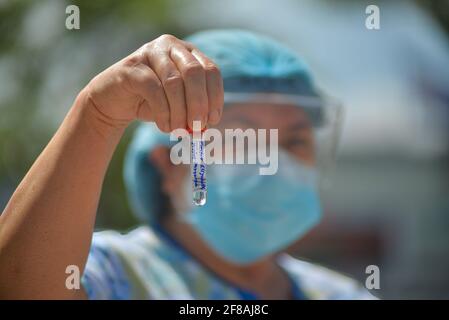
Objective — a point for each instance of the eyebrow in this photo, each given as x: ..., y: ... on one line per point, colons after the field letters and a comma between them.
x: 299, y: 125
x: 243, y: 119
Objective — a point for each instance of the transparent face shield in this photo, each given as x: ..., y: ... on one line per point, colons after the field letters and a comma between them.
x: 308, y: 128
x: 260, y: 133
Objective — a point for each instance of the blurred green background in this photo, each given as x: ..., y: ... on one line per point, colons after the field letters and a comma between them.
x: 389, y: 200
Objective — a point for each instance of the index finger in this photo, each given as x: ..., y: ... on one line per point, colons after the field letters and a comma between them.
x: 214, y: 85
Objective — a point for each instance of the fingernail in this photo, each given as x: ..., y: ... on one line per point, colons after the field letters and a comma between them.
x: 214, y: 115
x: 203, y: 122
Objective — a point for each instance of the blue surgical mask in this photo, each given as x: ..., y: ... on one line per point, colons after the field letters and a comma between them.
x: 249, y: 216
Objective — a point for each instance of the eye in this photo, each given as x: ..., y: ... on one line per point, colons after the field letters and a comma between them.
x: 296, y: 142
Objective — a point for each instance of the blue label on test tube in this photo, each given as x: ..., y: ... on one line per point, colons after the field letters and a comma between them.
x: 198, y: 171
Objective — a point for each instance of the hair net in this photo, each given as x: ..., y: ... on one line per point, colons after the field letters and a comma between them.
x: 248, y: 63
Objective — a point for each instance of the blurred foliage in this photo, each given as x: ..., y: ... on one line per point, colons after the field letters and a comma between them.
x: 22, y: 135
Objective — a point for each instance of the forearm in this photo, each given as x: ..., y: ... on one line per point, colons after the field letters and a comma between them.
x: 48, y: 223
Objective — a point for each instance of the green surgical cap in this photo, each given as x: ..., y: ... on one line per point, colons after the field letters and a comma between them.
x: 249, y: 63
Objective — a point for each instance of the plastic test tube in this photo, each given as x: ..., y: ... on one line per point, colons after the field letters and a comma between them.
x: 198, y: 168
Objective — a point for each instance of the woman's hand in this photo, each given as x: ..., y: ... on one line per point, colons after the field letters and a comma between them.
x: 47, y: 224
x: 167, y: 81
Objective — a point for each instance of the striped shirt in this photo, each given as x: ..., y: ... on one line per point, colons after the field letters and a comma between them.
x: 146, y: 264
